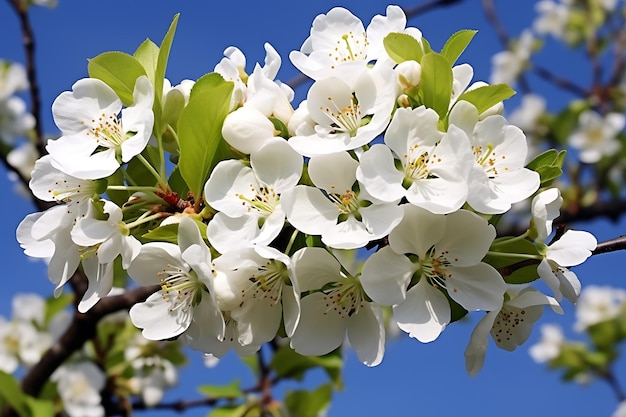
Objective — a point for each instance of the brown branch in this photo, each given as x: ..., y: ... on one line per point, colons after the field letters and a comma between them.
x: 505, y: 39
x: 28, y: 40
x: 612, y: 210
x: 81, y: 329
x: 426, y: 7
x: 612, y: 245
x: 560, y: 82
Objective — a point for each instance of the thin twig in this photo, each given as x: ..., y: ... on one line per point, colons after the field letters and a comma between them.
x: 28, y: 40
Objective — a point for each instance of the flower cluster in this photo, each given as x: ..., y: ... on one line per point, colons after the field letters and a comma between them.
x: 243, y: 233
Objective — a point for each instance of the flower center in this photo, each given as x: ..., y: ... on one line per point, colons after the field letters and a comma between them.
x: 180, y: 288
x: 346, y: 119
x: 506, y: 322
x: 344, y: 298
x: 107, y: 131
x: 268, y: 281
x: 435, y: 269
x: 487, y: 158
x: 265, y: 199
x: 416, y: 164
x: 349, y: 47
x: 595, y: 135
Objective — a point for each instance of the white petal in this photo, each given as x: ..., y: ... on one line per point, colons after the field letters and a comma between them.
x: 147, y: 267
x: 386, y: 276
x: 277, y: 164
x: 349, y: 234
x: 314, y: 268
x: 573, y: 248
x: 478, y: 287
x: 157, y: 322
x: 479, y: 340
x: 318, y: 332
x: 425, y: 312
x: 246, y: 129
x: 228, y: 233
x: 417, y: 232
x: 309, y: 210
x: 366, y: 333
x: 334, y: 173
x: 88, y: 99
x: 378, y: 174
x: 462, y: 227
x: 230, y: 179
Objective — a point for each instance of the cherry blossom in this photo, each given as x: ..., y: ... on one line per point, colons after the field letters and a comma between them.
x: 95, y: 140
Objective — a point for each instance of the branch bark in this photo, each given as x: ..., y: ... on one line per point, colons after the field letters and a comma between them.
x: 81, y: 329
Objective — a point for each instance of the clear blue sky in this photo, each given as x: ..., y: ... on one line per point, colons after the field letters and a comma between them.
x: 414, y: 379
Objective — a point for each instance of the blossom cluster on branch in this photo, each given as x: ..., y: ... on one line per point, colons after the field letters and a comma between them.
x: 241, y: 207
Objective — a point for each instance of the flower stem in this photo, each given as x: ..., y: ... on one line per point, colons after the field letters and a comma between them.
x: 150, y: 168
x: 514, y: 255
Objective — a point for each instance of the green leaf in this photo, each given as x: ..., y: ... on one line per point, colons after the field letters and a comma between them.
x: 487, y: 96
x: 426, y: 46
x: 229, y: 411
x: 148, y: 55
x: 40, y: 408
x: 139, y: 173
x: 304, y: 403
x: 200, y: 129
x: 289, y: 364
x: 436, y: 83
x: 402, y: 47
x: 517, y: 246
x: 119, y: 71
x: 548, y: 165
x: 456, y: 44
x: 119, y: 197
x: 232, y: 390
x: 167, y: 233
x: 12, y: 396
x: 159, y: 74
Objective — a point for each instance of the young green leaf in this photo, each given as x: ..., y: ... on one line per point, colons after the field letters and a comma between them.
x: 521, y: 275
x: 232, y: 390
x: 548, y: 165
x: 487, y: 96
x: 200, y: 129
x: 159, y: 73
x: 119, y: 71
x: 12, y: 396
x: 167, y: 233
x: 456, y: 44
x: 148, y: 55
x: 303, y: 403
x: 402, y: 47
x: 436, y: 83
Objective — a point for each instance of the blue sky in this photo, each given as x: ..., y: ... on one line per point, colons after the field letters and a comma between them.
x: 414, y: 378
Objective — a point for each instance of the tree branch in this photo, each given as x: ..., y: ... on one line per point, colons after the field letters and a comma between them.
x: 81, y: 329
x: 28, y: 40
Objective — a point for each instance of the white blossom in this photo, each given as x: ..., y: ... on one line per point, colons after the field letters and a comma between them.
x: 509, y: 326
x: 434, y: 165
x: 79, y: 385
x: 339, y: 210
x: 597, y: 304
x: 335, y: 305
x: 596, y: 135
x: 95, y: 140
x: 427, y: 255
x: 549, y: 346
